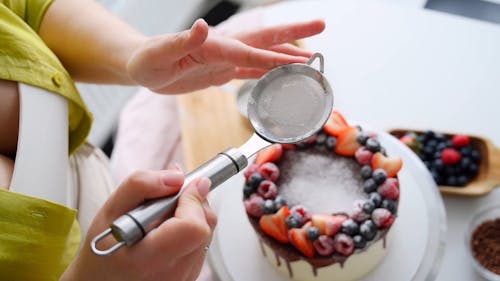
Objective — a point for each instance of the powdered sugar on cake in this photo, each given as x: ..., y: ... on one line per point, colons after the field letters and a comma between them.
x: 331, y: 172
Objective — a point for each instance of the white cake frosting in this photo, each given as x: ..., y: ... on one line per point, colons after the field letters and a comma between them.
x: 355, y: 267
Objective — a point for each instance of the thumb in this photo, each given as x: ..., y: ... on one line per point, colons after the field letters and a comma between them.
x: 188, y: 230
x: 181, y: 44
x: 190, y: 203
x: 141, y: 186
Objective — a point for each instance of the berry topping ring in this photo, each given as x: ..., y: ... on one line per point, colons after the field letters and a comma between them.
x: 321, y: 235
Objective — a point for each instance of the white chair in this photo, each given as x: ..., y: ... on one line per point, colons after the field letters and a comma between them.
x: 41, y: 165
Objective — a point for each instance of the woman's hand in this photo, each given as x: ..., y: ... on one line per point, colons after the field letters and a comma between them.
x: 197, y: 58
x: 175, y: 250
x: 104, y: 49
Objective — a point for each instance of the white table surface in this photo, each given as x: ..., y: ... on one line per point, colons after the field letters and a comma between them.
x: 393, y: 67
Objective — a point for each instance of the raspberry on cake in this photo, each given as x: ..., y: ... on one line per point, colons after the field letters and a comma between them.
x: 323, y: 208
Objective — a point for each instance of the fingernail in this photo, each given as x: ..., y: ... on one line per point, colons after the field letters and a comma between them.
x: 173, y: 177
x: 176, y: 166
x: 196, y: 23
x: 203, y: 186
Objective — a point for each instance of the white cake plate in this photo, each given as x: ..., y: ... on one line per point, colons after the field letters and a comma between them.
x: 415, y: 252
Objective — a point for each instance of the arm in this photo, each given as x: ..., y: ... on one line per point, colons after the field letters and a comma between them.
x: 6, y: 171
x: 9, y: 123
x: 9, y: 117
x: 95, y: 46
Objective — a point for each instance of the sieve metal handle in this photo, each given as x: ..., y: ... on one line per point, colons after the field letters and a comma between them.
x: 321, y: 61
x: 134, y: 225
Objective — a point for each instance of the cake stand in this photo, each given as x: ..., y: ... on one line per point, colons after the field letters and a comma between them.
x: 415, y: 252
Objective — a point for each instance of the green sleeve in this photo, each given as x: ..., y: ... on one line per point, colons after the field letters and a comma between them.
x: 25, y: 58
x: 31, y: 11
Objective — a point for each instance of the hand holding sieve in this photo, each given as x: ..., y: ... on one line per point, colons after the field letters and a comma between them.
x: 287, y: 105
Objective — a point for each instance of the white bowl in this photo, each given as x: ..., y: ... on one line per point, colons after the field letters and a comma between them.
x: 485, y: 214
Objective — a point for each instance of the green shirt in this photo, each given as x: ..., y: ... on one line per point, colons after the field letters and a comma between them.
x: 25, y: 58
x: 38, y: 239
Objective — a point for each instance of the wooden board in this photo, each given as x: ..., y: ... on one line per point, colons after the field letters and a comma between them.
x: 210, y: 123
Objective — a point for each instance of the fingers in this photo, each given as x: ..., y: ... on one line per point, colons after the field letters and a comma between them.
x: 190, y: 204
x: 242, y: 55
x: 282, y: 33
x: 189, y: 229
x: 141, y: 186
x: 291, y: 50
x: 225, y: 74
x: 249, y: 73
x: 209, y: 215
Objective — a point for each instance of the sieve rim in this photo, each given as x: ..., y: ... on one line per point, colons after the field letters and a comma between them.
x: 266, y: 80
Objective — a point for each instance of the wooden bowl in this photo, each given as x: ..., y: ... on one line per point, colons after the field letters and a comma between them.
x: 488, y: 176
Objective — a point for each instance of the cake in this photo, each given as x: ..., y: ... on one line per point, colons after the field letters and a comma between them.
x: 323, y: 209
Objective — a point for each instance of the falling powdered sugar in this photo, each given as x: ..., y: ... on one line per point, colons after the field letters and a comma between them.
x: 320, y: 180
x: 290, y: 106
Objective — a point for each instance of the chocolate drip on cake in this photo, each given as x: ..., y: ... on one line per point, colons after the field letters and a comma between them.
x: 262, y: 248
x: 290, y: 273
x: 290, y: 254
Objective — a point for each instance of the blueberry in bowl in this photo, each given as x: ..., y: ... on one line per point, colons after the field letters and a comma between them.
x: 460, y: 164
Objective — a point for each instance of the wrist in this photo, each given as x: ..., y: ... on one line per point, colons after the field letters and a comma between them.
x: 123, y: 57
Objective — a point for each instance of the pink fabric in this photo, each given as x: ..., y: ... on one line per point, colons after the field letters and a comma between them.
x: 149, y: 135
